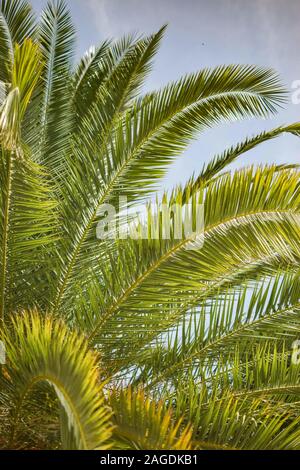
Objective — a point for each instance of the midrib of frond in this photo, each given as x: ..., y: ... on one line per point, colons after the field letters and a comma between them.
x: 5, y: 237
x: 169, y: 254
x: 48, y: 87
x: 54, y: 381
x: 116, y: 177
x: 285, y: 388
x: 222, y: 339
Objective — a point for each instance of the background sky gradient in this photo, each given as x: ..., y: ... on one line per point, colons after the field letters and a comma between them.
x: 205, y: 33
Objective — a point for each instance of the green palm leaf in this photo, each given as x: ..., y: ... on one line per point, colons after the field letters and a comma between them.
x: 140, y: 423
x: 197, y: 312
x: 41, y: 350
x: 240, y: 212
x: 17, y: 23
x: 56, y: 37
x: 219, y: 162
x: 28, y: 209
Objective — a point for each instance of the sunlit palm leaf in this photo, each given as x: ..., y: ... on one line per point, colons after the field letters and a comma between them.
x: 41, y: 350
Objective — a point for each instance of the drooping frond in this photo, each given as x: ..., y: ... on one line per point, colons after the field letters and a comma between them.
x: 17, y: 23
x: 43, y: 350
x: 88, y: 77
x: 24, y: 76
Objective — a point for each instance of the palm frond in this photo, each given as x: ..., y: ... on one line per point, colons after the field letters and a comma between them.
x: 108, y: 79
x: 56, y: 37
x: 219, y: 162
x: 232, y: 424
x: 147, y: 139
x: 243, y: 317
x: 239, y: 212
x: 17, y: 23
x: 24, y: 76
x: 140, y: 423
x: 41, y: 350
x: 190, y: 309
x: 28, y: 208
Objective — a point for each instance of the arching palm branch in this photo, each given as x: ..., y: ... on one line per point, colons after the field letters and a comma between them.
x: 139, y: 342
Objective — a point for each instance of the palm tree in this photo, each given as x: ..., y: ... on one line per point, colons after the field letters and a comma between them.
x: 139, y: 343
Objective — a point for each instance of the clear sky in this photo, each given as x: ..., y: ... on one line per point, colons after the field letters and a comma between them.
x: 205, y: 33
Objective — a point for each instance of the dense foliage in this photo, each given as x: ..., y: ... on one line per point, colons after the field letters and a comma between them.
x: 139, y: 343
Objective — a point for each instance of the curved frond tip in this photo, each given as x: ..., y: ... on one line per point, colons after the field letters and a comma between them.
x: 42, y: 350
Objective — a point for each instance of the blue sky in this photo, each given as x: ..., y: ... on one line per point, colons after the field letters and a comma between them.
x: 205, y: 33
